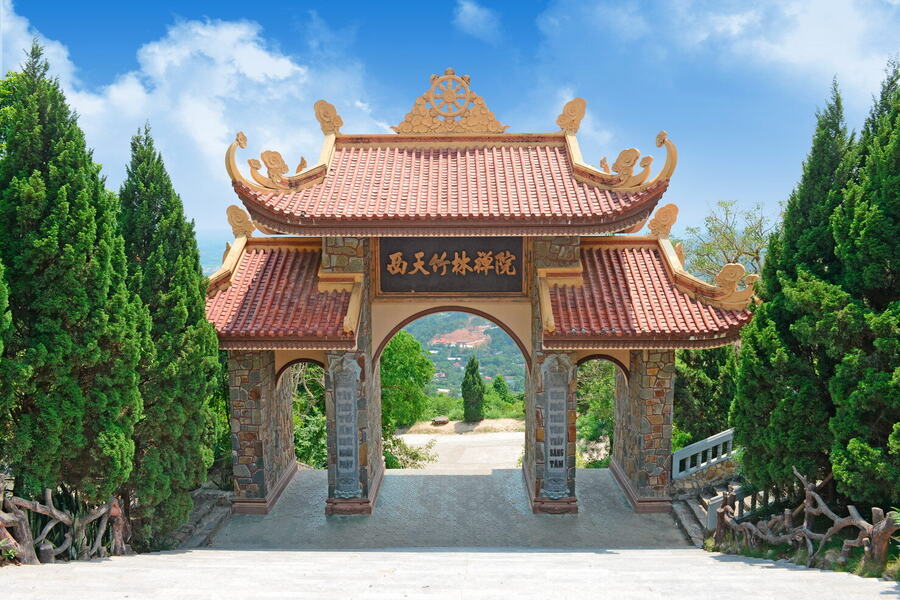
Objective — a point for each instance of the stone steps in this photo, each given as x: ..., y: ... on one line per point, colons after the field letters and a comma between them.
x: 688, y: 522
x: 212, y: 507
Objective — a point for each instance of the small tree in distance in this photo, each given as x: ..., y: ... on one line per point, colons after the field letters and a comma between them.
x: 473, y: 392
x: 500, y: 386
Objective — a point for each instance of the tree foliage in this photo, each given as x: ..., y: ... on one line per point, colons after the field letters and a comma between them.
x: 855, y: 318
x: 728, y: 235
x: 501, y: 388
x: 310, y: 425
x: 820, y: 364
x: 782, y: 406
x: 473, y: 392
x: 77, y: 329
x: 704, y: 390
x: 180, y: 378
x: 5, y: 372
x: 596, y: 401
x: 405, y: 371
x: 705, y: 379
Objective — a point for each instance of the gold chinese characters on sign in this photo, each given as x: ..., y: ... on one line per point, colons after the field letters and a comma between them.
x: 484, y: 263
x: 451, y: 265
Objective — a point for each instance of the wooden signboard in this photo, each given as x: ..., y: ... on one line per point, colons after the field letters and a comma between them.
x: 450, y: 265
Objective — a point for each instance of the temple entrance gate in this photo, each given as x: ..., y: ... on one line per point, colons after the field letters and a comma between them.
x: 451, y: 213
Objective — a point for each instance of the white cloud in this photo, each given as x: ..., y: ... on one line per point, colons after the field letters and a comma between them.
x: 625, y: 19
x: 476, y: 20
x: 851, y: 39
x: 198, y: 85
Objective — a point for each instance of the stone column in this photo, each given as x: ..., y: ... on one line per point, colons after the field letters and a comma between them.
x: 642, y: 445
x: 355, y: 461
x: 262, y: 435
x: 550, y: 393
x: 353, y: 397
x: 550, y: 435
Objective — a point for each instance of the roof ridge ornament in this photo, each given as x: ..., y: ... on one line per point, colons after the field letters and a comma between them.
x: 450, y: 106
x: 276, y: 177
x: 329, y: 119
x: 241, y: 223
x: 621, y: 177
x: 569, y: 120
x: 661, y: 223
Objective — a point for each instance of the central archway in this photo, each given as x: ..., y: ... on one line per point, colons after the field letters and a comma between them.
x: 514, y: 332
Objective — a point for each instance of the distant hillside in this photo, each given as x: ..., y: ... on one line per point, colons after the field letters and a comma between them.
x: 497, y: 354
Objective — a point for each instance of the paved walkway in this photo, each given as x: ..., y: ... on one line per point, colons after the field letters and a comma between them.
x: 471, y: 452
x: 418, y: 508
x: 459, y: 529
x: 459, y: 574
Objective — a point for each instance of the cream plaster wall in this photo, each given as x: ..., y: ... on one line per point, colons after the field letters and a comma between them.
x: 283, y: 357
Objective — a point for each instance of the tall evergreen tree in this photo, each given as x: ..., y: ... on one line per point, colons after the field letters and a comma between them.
x: 782, y: 407
x: 856, y: 319
x: 6, y: 375
x: 473, y: 392
x: 172, y: 453
x: 76, y: 327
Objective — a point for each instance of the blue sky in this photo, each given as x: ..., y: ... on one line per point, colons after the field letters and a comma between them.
x: 735, y: 84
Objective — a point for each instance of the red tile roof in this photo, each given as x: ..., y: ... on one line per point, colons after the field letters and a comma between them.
x: 273, y: 302
x: 512, y: 189
x: 629, y: 300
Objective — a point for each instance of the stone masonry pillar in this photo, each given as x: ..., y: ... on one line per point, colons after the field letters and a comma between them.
x: 642, y: 445
x: 262, y: 435
x: 353, y: 412
x: 549, y: 463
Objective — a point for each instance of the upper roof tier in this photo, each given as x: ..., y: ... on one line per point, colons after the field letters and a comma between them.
x: 451, y: 170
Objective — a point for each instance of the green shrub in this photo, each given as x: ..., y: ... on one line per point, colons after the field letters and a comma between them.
x: 400, y: 455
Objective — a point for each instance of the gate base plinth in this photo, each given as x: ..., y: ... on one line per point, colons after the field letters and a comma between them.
x: 262, y: 506
x: 640, y: 504
x: 546, y: 506
x: 563, y: 506
x: 357, y: 506
x: 348, y: 506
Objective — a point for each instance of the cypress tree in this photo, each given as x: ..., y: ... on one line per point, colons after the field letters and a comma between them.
x: 502, y: 388
x: 6, y: 375
x: 172, y: 451
x: 77, y: 330
x: 473, y: 392
x: 856, y: 320
x: 782, y: 406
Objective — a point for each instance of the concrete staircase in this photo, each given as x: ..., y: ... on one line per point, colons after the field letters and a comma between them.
x: 212, y: 507
x: 696, y: 517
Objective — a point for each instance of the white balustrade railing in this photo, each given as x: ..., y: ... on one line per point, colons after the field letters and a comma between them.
x: 703, y: 454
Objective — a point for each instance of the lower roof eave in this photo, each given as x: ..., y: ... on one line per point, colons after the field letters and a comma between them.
x: 260, y: 343
x: 637, y: 343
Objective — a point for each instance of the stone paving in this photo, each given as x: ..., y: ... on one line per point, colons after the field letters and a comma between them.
x: 419, y: 508
x: 459, y: 574
x: 459, y: 529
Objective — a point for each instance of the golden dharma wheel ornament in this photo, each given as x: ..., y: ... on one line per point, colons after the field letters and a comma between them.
x: 450, y: 94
